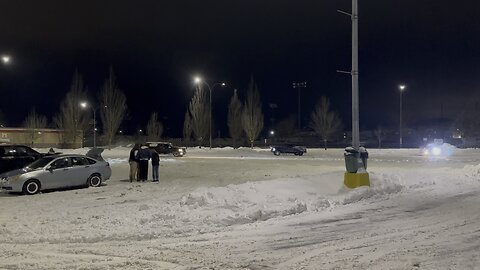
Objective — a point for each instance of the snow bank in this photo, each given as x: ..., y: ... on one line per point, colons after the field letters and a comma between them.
x: 260, y: 201
x: 381, y: 186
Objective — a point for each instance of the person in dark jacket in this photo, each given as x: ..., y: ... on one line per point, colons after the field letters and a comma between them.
x: 155, y: 165
x: 143, y: 156
x: 132, y: 160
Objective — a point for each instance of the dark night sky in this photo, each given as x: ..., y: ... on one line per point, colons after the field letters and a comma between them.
x: 155, y: 47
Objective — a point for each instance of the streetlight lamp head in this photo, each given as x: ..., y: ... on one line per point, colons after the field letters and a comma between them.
x: 402, y: 87
x: 83, y: 104
x: 197, y: 80
x: 5, y: 59
x: 224, y: 84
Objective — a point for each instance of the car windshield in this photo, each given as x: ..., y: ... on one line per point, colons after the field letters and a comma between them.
x: 40, y: 163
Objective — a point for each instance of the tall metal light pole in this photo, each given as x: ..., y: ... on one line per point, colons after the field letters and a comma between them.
x: 354, y: 74
x: 197, y: 81
x: 355, y: 106
x: 356, y: 158
x: 299, y: 86
x: 85, y: 105
x: 401, y: 88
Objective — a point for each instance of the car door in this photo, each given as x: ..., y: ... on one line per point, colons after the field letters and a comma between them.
x: 80, y: 170
x: 58, y: 174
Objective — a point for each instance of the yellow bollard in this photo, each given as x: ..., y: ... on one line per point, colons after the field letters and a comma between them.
x: 354, y: 180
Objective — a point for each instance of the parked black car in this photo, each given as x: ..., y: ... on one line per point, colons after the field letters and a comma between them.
x: 13, y: 156
x: 167, y: 148
x: 289, y: 149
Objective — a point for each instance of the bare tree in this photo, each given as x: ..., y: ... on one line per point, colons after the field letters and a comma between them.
x: 72, y: 119
x: 323, y: 121
x: 113, y: 107
x: 379, y: 134
x: 234, y: 120
x: 252, y: 116
x: 187, y: 128
x: 32, y: 124
x: 154, y: 128
x: 199, y: 114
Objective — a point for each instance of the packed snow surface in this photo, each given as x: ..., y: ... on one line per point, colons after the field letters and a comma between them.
x: 248, y: 209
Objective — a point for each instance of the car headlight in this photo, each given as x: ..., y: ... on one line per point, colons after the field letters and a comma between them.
x: 13, y: 178
x: 180, y: 150
x: 436, y: 151
x: 273, y: 149
x: 3, y: 179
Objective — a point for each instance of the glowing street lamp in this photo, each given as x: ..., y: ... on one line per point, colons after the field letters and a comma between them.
x: 84, y: 105
x: 198, y: 80
x: 402, y: 88
x: 6, y: 59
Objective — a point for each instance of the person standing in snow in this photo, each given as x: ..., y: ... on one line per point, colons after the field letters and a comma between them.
x: 132, y: 160
x: 143, y: 156
x: 155, y: 165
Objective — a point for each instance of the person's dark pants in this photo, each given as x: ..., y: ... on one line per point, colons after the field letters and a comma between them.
x: 155, y: 173
x: 143, y: 170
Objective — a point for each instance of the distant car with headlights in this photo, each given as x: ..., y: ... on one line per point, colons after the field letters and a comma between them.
x: 288, y: 149
x: 437, y: 149
x: 55, y: 172
x: 167, y: 148
x: 15, y: 156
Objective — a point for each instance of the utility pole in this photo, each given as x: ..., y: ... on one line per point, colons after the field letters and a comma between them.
x: 355, y: 156
x: 299, y: 86
x: 354, y: 73
x: 355, y: 106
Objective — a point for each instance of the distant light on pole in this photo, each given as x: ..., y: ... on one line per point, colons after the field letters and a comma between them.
x: 84, y: 105
x: 272, y: 132
x: 299, y: 86
x: 6, y: 59
x: 197, y: 80
x: 402, y: 88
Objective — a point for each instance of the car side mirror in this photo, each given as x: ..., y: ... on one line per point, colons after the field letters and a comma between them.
x: 50, y: 168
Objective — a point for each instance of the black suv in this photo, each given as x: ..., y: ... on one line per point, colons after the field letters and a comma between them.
x: 14, y: 156
x: 167, y: 148
x: 289, y: 149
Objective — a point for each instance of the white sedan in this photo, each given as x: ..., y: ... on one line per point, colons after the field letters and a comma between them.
x: 54, y: 172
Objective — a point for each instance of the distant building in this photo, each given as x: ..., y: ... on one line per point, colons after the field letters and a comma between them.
x: 41, y: 138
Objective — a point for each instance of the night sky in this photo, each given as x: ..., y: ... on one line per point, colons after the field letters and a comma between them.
x: 156, y: 47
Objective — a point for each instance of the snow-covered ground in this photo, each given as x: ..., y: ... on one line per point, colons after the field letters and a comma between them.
x: 247, y: 209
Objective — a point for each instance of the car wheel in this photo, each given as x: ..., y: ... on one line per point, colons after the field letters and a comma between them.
x: 31, y: 187
x: 176, y: 154
x: 276, y: 153
x: 300, y: 154
x: 94, y: 181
